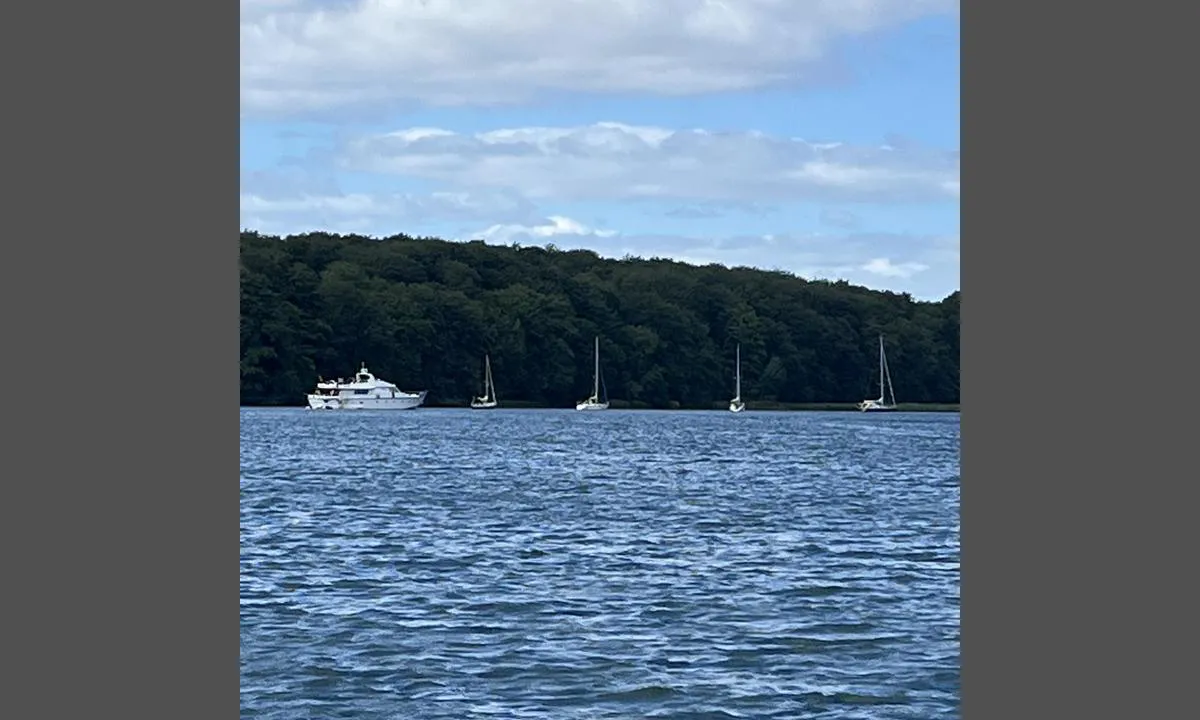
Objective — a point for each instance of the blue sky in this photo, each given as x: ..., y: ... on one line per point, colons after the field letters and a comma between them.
x: 815, y: 136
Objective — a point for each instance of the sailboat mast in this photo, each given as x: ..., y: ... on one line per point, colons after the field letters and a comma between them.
x: 488, y: 392
x: 881, y: 388
x: 738, y: 394
x: 596, y: 370
x: 887, y: 372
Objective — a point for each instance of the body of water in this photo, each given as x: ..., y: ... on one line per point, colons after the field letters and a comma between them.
x: 623, y: 564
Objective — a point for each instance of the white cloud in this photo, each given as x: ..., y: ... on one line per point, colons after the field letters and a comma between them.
x: 887, y: 268
x: 610, y: 161
x: 315, y: 55
x: 382, y: 214
x: 555, y: 226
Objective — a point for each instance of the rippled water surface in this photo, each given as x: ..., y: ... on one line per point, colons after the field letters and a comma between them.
x: 555, y: 564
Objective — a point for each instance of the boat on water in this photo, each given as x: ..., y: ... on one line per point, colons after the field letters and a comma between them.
x: 363, y: 392
x: 736, y: 405
x: 595, y: 402
x: 487, y: 400
x: 885, y: 387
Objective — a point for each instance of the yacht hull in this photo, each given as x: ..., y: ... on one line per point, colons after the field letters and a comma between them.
x: 325, y: 402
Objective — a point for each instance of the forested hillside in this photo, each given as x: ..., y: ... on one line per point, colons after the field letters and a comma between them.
x: 422, y: 312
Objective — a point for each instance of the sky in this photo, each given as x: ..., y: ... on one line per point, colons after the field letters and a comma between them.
x: 820, y: 137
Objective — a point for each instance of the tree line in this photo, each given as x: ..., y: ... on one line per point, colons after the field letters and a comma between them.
x: 422, y: 312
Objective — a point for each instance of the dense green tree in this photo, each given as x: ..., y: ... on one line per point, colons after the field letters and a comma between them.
x: 422, y: 312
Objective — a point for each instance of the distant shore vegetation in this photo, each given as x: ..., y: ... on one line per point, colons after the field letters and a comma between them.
x: 422, y: 312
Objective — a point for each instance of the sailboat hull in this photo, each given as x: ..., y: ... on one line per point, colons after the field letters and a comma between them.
x: 591, y: 406
x: 875, y: 406
x: 487, y: 405
x: 736, y: 407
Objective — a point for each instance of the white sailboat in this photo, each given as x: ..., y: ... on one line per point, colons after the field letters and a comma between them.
x: 885, y: 387
x: 488, y: 399
x: 594, y: 402
x: 736, y: 405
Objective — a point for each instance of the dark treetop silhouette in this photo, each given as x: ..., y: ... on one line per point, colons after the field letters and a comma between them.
x: 422, y: 312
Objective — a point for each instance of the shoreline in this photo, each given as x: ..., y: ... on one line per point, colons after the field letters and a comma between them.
x: 750, y: 407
